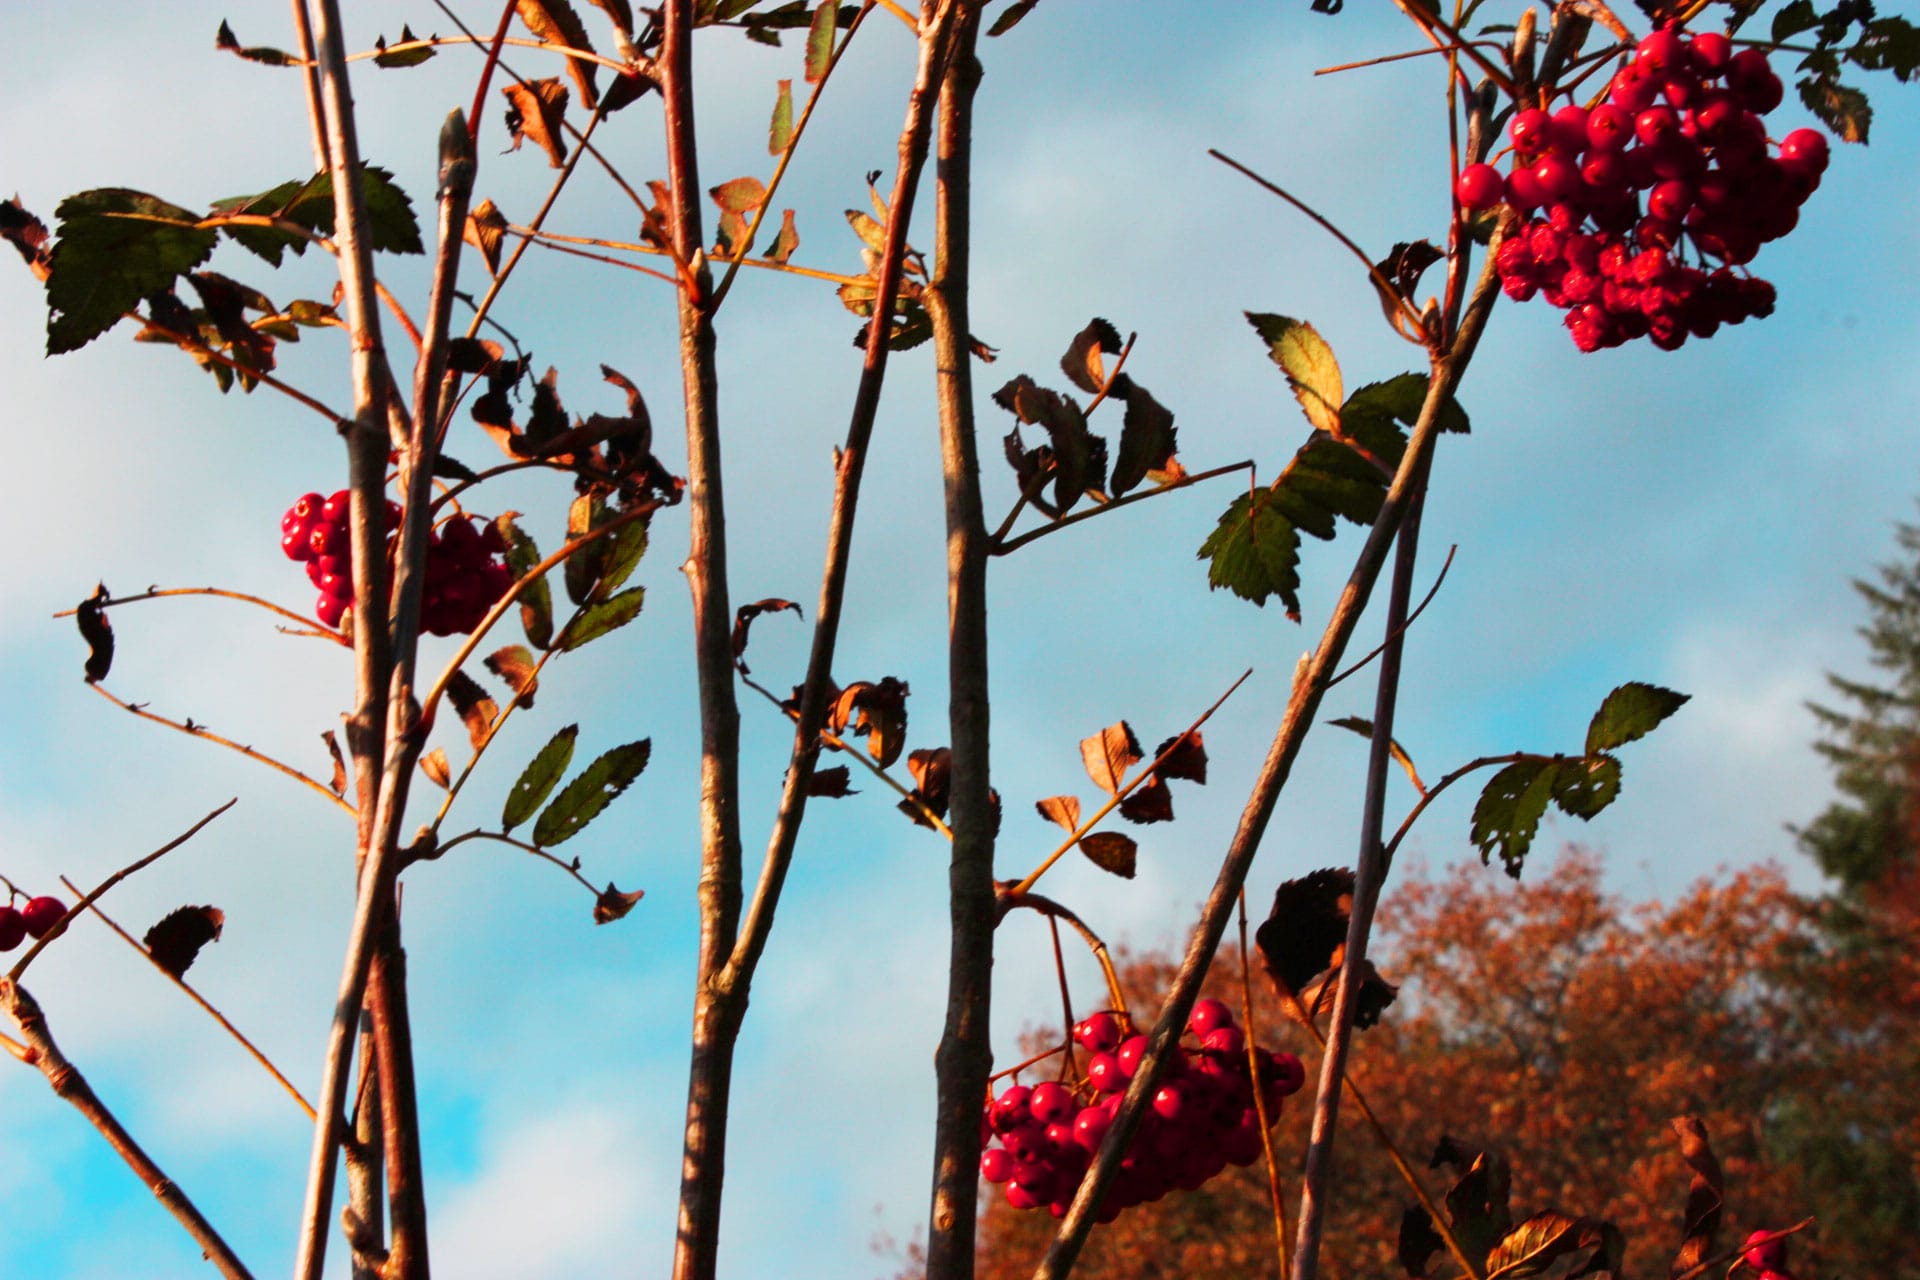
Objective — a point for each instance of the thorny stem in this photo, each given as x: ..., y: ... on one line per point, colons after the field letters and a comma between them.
x: 1369, y: 874
x: 308, y: 625
x: 1113, y: 801
x: 965, y: 1054
x: 1274, y: 1197
x: 207, y: 735
x: 202, y: 1001
x: 68, y: 1083
x: 1302, y: 706
x: 786, y: 157
x: 1112, y: 504
x: 60, y: 926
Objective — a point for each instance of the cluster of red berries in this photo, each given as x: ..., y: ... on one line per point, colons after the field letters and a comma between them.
x: 1768, y: 1257
x: 466, y: 574
x: 1613, y: 195
x: 1202, y: 1119
x: 32, y: 920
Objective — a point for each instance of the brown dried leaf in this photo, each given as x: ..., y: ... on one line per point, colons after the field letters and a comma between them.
x: 1108, y: 755
x: 1189, y: 759
x: 486, y: 228
x: 537, y: 109
x: 476, y: 706
x: 515, y: 665
x: 97, y: 632
x: 555, y: 22
x: 434, y: 765
x: 1307, y: 925
x: 1705, y: 1196
x: 1064, y: 810
x: 833, y: 783
x: 1150, y: 802
x: 932, y: 770
x: 743, y: 619
x: 787, y: 241
x: 1418, y: 1241
x: 1083, y: 364
x: 176, y: 940
x: 877, y: 711
x: 612, y: 904
x: 739, y: 195
x: 25, y: 233
x: 339, y: 780
x: 1375, y: 994
x: 1111, y: 851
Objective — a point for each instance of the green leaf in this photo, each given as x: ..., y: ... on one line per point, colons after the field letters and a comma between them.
x: 582, y: 568
x: 224, y: 39
x: 780, y: 131
x: 1840, y: 107
x: 1534, y: 1246
x: 406, y: 57
x: 739, y: 195
x: 537, y: 779
x: 1509, y: 810
x: 1401, y: 399
x: 536, y: 601
x: 309, y: 202
x: 1583, y: 787
x: 1308, y: 362
x: 1888, y: 44
x: 1255, y: 552
x: 621, y: 555
x: 820, y: 42
x: 1632, y: 711
x: 581, y: 800
x: 1792, y: 20
x: 115, y: 247
x: 596, y: 620
x: 1011, y: 15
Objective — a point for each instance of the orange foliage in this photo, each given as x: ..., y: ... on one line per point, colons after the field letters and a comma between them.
x: 1558, y: 1025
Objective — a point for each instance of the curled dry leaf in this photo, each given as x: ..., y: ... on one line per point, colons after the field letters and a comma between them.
x: 833, y: 783
x: 1375, y: 994
x: 536, y: 111
x: 1108, y: 755
x: 476, y: 706
x: 1189, y: 758
x: 932, y: 770
x: 339, y: 780
x: 434, y: 765
x: 177, y: 938
x: 97, y: 632
x: 1064, y: 810
x: 1149, y: 802
x: 486, y: 228
x: 1705, y: 1196
x: 743, y: 619
x: 514, y: 664
x: 1084, y: 362
x: 1111, y: 851
x: 613, y: 905
x: 555, y: 22
x: 1307, y: 926
x: 876, y: 711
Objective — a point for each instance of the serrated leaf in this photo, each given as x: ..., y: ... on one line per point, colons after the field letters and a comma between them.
x: 1535, y: 1245
x: 613, y: 905
x: 516, y: 666
x: 582, y: 569
x: 1842, y: 108
x: 1147, y: 440
x: 780, y: 130
x: 537, y: 779
x: 877, y: 711
x: 1111, y: 851
x: 932, y: 770
x: 1254, y: 552
x: 536, y: 601
x: 115, y: 247
x: 403, y: 57
x: 226, y: 41
x: 1010, y: 16
x: 309, y: 203
x: 434, y: 765
x: 1477, y: 1201
x: 1401, y: 398
x: 1064, y: 810
x: 581, y: 800
x: 1509, y: 810
x: 1108, y: 755
x: 1308, y: 362
x: 1583, y: 787
x: 820, y: 42
x: 536, y: 110
x: 1631, y: 711
x: 597, y: 620
x: 476, y: 707
x: 1792, y: 20
x: 175, y: 941
x: 833, y: 783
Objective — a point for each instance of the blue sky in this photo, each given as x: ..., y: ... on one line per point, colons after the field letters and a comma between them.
x: 1690, y: 519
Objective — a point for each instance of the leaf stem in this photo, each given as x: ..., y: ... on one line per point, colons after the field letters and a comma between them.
x: 1008, y: 548
x: 524, y: 847
x: 1402, y: 629
x: 1275, y: 1201
x: 309, y: 625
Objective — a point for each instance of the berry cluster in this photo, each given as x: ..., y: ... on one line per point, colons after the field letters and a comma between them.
x: 466, y: 574
x: 1612, y: 196
x: 1202, y: 1119
x: 32, y: 920
x: 1768, y: 1257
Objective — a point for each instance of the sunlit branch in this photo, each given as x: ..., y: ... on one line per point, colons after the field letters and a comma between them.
x: 1112, y: 504
x: 570, y: 868
x: 309, y: 626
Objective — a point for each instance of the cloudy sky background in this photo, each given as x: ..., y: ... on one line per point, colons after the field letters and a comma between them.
x: 1690, y: 519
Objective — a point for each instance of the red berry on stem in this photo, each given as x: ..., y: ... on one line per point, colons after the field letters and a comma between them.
x: 41, y: 914
x: 1050, y: 1102
x: 1711, y: 50
x: 334, y: 509
x: 1763, y: 1254
x: 1480, y: 187
x: 13, y: 928
x: 1134, y: 1049
x: 996, y: 1164
x: 1208, y: 1016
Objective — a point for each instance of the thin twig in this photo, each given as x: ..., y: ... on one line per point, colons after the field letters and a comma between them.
x: 207, y: 735
x: 548, y: 242
x: 534, y: 849
x: 1114, y: 504
x: 1072, y: 1067
x: 60, y: 926
x: 1274, y: 1199
x: 629, y: 246
x: 1004, y: 902
x: 1401, y: 630
x: 309, y: 626
x: 200, y: 1000
x: 1113, y: 801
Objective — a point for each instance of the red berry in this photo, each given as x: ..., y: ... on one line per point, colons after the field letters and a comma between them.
x: 1664, y: 50
x: 13, y: 928
x: 294, y: 543
x: 1090, y: 1127
x: 1557, y: 176
x: 1134, y: 1049
x: 334, y: 509
x: 1104, y: 1074
x: 1207, y: 1016
x: 41, y: 914
x: 996, y: 1165
x: 1531, y: 131
x: 1227, y: 1041
x: 1609, y: 127
x: 329, y: 609
x: 1805, y: 149
x: 1763, y: 1254
x: 1711, y: 50
x: 1655, y: 125
x: 1569, y: 130
x: 1050, y: 1101
x: 1480, y: 187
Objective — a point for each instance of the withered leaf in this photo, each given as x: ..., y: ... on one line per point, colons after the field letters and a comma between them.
x: 1147, y: 442
x: 932, y: 770
x: 1108, y: 755
x: 434, y: 765
x: 402, y: 57
x: 1372, y: 999
x: 1477, y: 1203
x: 780, y: 128
x: 1111, y: 851
x: 97, y: 632
x: 515, y: 665
x: 1307, y: 925
x: 613, y: 905
x: 1418, y: 1241
x: 787, y: 241
x: 339, y: 781
x: 1083, y: 363
x: 176, y: 940
x: 486, y: 227
x: 1189, y: 758
x: 555, y: 22
x: 877, y: 711
x: 1150, y: 802
x: 473, y: 355
x: 227, y: 42
x: 536, y: 110
x: 1066, y: 426
x: 477, y: 708
x: 1064, y: 810
x: 25, y: 233
x: 743, y: 619
x: 1705, y: 1196
x: 1533, y: 1247
x: 739, y: 195
x: 627, y: 88
x: 833, y: 782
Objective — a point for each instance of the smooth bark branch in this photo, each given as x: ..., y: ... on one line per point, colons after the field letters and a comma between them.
x: 965, y: 1055
x: 364, y: 1219
x: 67, y: 1081
x: 1308, y: 688
x: 1369, y: 872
